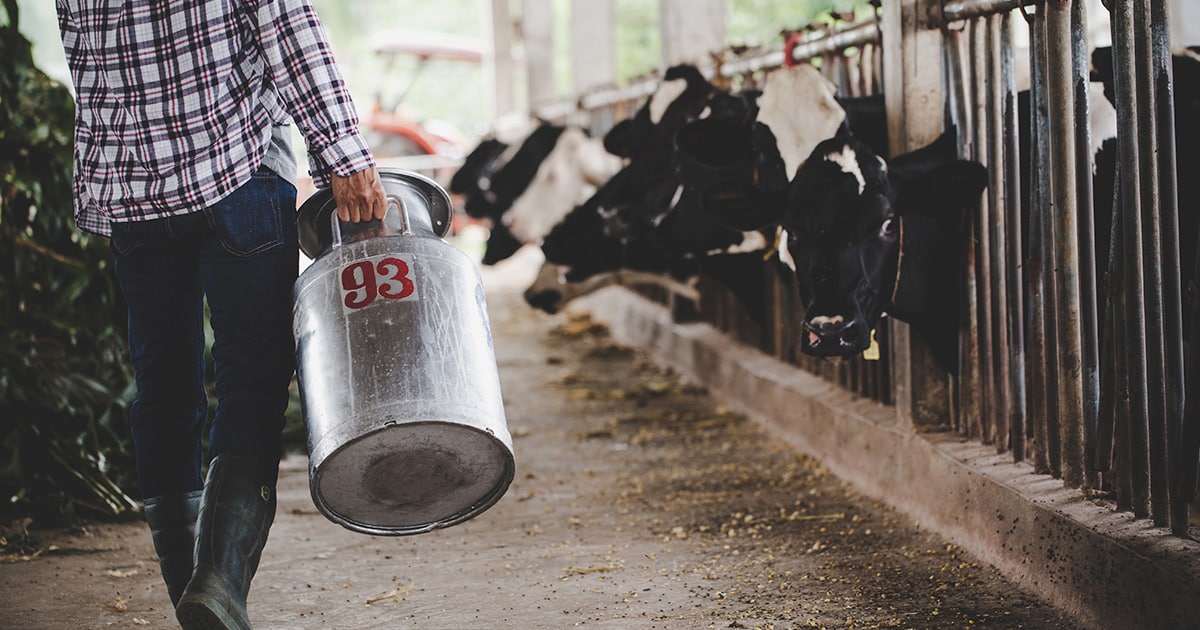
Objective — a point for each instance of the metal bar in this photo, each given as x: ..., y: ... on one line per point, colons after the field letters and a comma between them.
x: 1066, y: 240
x: 980, y: 225
x: 1115, y: 406
x: 830, y: 41
x: 1089, y: 327
x: 1012, y: 193
x: 1114, y: 387
x: 999, y: 206
x: 1183, y: 464
x: 969, y: 382
x: 1152, y: 265
x: 1135, y: 321
x: 1035, y: 280
x: 638, y: 89
x: 1110, y: 384
x: 865, y: 69
x: 1046, y: 173
x: 959, y: 10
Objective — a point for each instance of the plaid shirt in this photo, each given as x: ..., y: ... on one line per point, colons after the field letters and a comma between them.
x: 177, y: 99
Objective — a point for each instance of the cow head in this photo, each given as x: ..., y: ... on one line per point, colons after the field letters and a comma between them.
x: 866, y: 236
x: 508, y: 174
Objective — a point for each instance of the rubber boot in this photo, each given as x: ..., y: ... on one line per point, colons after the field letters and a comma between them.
x: 172, y: 520
x: 235, y: 515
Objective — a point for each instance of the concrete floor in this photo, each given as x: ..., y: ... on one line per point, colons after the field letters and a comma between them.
x: 640, y: 502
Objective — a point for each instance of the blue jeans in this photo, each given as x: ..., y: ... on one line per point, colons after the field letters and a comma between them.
x: 240, y: 253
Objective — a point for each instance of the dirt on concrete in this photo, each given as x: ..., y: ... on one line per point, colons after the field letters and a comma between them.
x: 640, y: 502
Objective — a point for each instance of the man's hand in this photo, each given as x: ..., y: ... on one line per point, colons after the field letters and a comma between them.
x: 359, y: 196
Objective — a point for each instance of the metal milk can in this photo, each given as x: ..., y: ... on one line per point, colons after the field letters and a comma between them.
x: 398, y: 380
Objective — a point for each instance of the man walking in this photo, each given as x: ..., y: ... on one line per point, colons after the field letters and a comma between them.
x: 182, y: 158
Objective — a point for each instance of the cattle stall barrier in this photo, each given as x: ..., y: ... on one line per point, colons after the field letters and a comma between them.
x: 1084, y: 385
x: 850, y: 57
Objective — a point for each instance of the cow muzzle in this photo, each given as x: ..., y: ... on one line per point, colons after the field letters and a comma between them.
x: 834, y: 336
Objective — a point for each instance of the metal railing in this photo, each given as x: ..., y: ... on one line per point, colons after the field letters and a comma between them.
x: 1085, y: 384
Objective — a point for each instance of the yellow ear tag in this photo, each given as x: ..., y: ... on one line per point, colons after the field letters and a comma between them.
x: 872, y: 351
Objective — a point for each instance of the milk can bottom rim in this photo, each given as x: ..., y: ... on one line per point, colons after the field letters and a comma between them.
x: 403, y: 479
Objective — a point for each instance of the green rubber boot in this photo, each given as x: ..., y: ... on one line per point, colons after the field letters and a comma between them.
x: 172, y: 520
x: 235, y: 515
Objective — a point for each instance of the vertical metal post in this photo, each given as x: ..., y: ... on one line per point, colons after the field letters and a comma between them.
x: 1128, y: 165
x: 970, y: 386
x: 1066, y: 239
x: 1182, y: 462
x: 1039, y: 349
x: 1012, y: 193
x: 980, y: 224
x: 1047, y: 172
x: 1156, y: 380
x: 999, y: 201
x: 1089, y: 326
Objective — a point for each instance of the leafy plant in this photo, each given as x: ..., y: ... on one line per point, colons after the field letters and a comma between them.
x: 65, y: 383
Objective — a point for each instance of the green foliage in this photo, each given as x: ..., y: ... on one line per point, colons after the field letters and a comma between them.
x: 64, y: 379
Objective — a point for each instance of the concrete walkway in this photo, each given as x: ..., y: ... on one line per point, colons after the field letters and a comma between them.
x: 640, y: 502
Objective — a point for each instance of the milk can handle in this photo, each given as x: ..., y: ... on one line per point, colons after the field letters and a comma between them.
x: 377, y: 227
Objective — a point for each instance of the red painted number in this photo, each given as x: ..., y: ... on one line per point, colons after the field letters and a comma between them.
x: 362, y: 282
x: 358, y: 284
x: 397, y: 285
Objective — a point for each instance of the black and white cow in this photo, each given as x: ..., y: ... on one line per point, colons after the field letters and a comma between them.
x: 529, y: 185
x: 1185, y: 68
x: 648, y: 217
x: 477, y: 168
x: 867, y: 236
x: 614, y: 228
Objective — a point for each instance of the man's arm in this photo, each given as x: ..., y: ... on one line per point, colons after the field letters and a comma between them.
x: 301, y: 64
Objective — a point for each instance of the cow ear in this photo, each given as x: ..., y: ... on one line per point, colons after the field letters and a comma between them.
x: 712, y: 150
x: 620, y: 140
x: 742, y: 206
x: 916, y: 164
x: 945, y: 191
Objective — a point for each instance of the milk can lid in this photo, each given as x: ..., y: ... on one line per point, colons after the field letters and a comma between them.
x: 412, y: 189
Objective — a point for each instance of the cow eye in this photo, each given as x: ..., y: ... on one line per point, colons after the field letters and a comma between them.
x: 888, y: 227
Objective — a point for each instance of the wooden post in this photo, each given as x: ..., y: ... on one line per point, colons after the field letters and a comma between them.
x: 537, y: 31
x: 593, y: 51
x: 912, y: 78
x: 499, y: 70
x: 691, y: 30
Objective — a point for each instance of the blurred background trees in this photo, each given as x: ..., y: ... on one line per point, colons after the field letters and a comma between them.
x: 64, y: 380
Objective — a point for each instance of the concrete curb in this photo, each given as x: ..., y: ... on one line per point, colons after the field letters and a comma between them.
x: 1102, y: 567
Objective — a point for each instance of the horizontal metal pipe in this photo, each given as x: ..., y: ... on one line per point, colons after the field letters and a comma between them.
x: 831, y: 41
x: 958, y: 10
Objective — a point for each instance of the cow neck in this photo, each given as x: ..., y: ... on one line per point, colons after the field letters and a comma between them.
x: 925, y: 274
